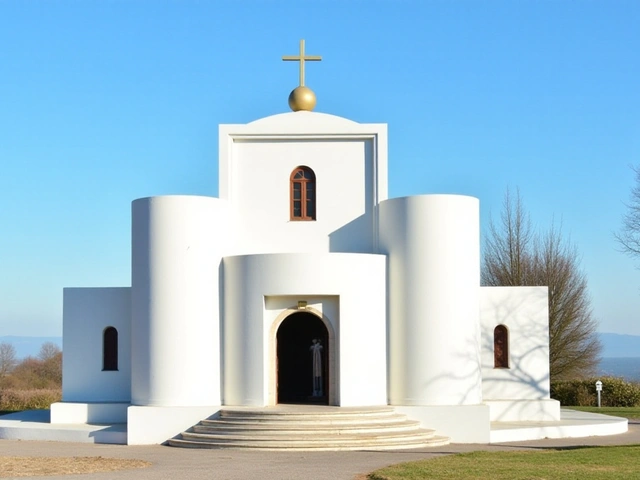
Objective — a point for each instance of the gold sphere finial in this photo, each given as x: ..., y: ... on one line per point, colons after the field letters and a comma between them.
x: 302, y: 98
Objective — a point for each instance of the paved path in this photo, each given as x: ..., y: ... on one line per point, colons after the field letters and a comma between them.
x: 176, y: 463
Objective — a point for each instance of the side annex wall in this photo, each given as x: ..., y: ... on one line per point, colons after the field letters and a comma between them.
x: 86, y: 314
x: 521, y: 391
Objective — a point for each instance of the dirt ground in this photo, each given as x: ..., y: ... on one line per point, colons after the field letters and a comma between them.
x: 11, y: 467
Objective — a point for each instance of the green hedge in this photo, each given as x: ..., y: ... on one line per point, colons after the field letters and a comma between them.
x: 615, y: 392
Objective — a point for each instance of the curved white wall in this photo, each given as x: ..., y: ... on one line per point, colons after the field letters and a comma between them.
x: 177, y: 246
x: 357, y: 280
x: 433, y: 244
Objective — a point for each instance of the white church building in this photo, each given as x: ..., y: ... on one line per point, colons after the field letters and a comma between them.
x: 302, y: 248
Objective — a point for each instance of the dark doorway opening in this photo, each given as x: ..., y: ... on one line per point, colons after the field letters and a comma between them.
x: 294, y: 339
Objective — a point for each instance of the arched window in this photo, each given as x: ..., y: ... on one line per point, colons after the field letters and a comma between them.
x: 500, y: 347
x: 303, y: 194
x: 110, y: 349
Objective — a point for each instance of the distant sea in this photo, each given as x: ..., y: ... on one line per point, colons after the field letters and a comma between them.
x: 625, y: 367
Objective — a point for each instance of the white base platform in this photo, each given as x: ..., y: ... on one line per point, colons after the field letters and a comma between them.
x: 154, y: 425
x: 89, y: 412
x: 35, y: 425
x: 572, y: 424
x: 461, y: 423
x: 547, y: 410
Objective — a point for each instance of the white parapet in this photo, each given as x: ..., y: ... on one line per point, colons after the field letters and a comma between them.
x: 433, y: 244
x: 177, y: 246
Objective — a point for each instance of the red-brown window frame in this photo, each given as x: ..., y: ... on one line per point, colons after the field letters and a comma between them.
x: 501, y: 347
x: 307, y: 194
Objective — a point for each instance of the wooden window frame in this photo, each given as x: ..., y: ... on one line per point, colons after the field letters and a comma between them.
x: 307, y: 195
x: 501, y: 347
x: 110, y: 350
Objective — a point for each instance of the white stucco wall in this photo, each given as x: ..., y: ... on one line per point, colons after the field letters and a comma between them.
x: 348, y: 159
x: 525, y: 313
x: 433, y: 243
x: 86, y: 314
x: 327, y: 305
x: 353, y: 283
x: 177, y: 246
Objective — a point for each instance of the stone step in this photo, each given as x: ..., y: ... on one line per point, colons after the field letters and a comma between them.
x: 283, y: 428
x: 300, y: 409
x: 334, y: 446
x: 305, y: 420
x: 312, y: 438
x: 432, y: 441
x: 292, y: 412
x: 311, y: 427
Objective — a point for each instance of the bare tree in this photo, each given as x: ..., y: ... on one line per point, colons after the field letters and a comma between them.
x: 507, y: 248
x: 8, y: 358
x: 48, y: 350
x: 629, y: 235
x: 515, y: 257
x: 50, y: 367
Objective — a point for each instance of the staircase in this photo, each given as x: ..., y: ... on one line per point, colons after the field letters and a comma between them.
x: 309, y: 427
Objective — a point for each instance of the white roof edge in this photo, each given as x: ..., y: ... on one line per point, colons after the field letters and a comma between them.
x: 302, y: 123
x: 297, y: 117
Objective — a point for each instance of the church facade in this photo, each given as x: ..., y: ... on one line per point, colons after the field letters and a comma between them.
x: 304, y: 283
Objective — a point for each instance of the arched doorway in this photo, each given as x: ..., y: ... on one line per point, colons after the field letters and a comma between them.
x: 295, y: 360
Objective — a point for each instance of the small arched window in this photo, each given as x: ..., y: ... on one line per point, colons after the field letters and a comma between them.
x: 500, y: 347
x: 303, y: 194
x: 110, y: 349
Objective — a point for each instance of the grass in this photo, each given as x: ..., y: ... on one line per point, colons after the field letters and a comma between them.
x: 583, y: 463
x: 626, y: 412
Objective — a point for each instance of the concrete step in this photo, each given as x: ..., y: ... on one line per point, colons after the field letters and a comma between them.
x: 301, y: 428
x: 292, y: 410
x: 386, y: 437
x: 305, y: 413
x: 306, y: 421
x: 434, y: 441
x: 282, y: 428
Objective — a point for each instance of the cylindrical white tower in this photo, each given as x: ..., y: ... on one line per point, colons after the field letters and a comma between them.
x: 177, y: 247
x: 433, y: 245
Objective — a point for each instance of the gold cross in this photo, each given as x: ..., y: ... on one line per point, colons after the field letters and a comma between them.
x: 302, y: 58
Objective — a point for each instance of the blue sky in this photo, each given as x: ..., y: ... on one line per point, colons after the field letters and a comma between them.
x: 103, y: 102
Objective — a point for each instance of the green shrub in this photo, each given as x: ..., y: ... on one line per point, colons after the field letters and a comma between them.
x: 15, y: 400
x: 584, y: 397
x: 615, y: 392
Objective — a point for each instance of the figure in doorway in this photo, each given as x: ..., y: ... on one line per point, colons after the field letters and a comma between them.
x: 316, y: 352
